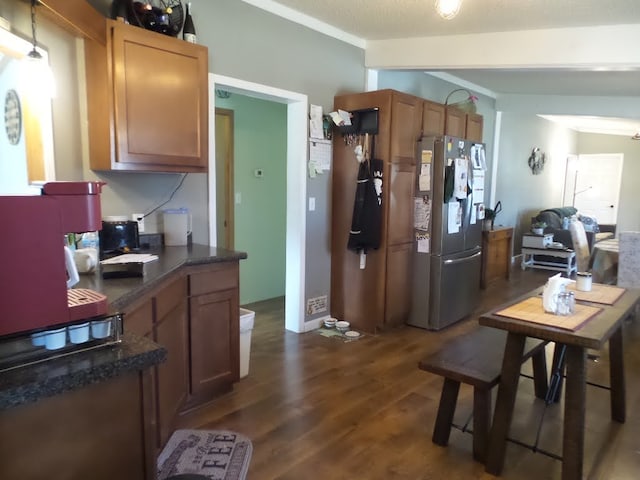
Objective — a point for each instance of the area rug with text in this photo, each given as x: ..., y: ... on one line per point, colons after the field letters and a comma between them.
x: 217, y: 454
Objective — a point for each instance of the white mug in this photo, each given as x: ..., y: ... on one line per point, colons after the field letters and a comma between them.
x: 583, y: 281
x: 86, y: 259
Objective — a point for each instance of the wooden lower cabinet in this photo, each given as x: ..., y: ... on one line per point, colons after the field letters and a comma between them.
x: 496, y: 255
x: 212, y: 359
x: 170, y: 331
x: 97, y: 432
x: 195, y: 316
x: 398, y: 294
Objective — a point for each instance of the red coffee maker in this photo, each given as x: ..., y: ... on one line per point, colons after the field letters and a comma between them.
x: 33, y: 273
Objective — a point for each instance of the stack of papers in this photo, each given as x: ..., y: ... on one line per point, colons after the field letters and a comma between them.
x: 130, y: 258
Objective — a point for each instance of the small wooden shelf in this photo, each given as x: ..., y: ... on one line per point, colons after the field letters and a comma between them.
x: 496, y: 254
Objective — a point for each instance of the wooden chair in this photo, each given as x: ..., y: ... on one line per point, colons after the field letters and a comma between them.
x: 580, y: 245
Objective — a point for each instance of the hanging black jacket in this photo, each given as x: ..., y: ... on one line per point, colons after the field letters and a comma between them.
x: 366, y: 222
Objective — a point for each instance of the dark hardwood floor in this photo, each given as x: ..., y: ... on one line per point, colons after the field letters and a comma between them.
x: 320, y: 408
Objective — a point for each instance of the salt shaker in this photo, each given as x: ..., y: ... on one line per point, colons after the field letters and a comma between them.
x: 566, y: 303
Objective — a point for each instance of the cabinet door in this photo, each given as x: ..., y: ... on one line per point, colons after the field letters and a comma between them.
x: 474, y: 126
x: 401, y: 185
x: 398, y: 284
x: 161, y: 101
x: 496, y: 255
x: 433, y: 117
x: 139, y: 321
x: 406, y: 122
x: 173, y: 374
x: 215, y: 343
x: 455, y: 122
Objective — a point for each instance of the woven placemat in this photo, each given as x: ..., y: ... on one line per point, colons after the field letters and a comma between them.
x: 531, y: 310
x: 600, y: 293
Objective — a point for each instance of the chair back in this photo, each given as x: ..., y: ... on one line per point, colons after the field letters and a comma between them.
x: 580, y: 245
x: 629, y: 260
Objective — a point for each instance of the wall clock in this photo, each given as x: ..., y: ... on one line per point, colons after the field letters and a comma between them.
x: 12, y: 117
x: 536, y: 161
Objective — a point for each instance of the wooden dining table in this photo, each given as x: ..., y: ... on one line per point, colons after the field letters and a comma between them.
x: 604, y: 326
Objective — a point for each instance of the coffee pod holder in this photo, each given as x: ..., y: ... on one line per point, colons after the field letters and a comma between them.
x: 58, y: 341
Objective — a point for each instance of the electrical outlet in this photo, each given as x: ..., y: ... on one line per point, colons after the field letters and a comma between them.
x: 139, y: 217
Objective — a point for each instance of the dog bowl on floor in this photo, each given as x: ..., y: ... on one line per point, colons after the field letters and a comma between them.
x: 342, y: 326
x: 329, y: 323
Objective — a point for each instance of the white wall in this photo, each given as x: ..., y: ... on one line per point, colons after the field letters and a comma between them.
x: 629, y: 208
x: 521, y: 192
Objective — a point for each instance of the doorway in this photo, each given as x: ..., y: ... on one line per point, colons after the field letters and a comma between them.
x: 224, y: 178
x: 592, y: 185
x: 297, y: 111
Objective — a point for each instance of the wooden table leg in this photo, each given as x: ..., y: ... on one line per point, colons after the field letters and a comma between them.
x: 558, y: 368
x: 481, y: 422
x: 503, y: 413
x: 574, y: 413
x: 540, y: 382
x: 616, y: 375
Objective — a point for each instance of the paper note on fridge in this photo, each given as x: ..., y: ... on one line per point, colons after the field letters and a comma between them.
x: 454, y: 217
x: 478, y: 185
x: 423, y: 242
x: 421, y: 213
x: 461, y: 178
x: 424, y: 180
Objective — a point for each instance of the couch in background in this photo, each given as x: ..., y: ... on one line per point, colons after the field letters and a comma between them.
x: 553, y: 217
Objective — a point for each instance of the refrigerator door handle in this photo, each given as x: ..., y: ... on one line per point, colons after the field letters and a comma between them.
x: 460, y: 260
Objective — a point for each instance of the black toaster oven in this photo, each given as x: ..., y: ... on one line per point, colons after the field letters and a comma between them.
x: 118, y: 237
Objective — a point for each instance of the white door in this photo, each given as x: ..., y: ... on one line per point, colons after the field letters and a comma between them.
x: 597, y: 186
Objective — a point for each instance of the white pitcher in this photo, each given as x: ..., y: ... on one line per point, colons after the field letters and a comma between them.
x: 177, y: 226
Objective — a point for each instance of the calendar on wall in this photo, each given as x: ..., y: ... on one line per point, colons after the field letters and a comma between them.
x: 320, y: 152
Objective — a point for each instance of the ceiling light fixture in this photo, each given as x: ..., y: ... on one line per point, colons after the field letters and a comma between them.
x: 448, y: 9
x: 37, y: 72
x: 34, y: 54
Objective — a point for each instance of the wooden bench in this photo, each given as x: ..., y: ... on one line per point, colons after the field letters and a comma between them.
x: 475, y: 358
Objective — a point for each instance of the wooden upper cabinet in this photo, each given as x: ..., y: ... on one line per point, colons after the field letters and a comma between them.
x: 433, y: 117
x: 455, y: 122
x: 406, y: 123
x: 474, y: 124
x: 147, y: 102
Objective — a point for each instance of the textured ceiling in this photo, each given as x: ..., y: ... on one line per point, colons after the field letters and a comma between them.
x: 386, y: 19
x: 390, y: 19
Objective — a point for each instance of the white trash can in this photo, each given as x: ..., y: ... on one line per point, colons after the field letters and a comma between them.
x: 247, y: 318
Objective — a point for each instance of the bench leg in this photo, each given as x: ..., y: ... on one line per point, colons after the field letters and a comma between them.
x: 448, y: 400
x: 541, y: 385
x: 481, y: 423
x: 558, y: 369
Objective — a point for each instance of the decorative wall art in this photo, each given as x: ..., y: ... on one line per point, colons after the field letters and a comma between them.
x: 536, y: 161
x: 12, y: 117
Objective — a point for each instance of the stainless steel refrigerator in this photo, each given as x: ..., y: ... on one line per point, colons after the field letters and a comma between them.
x: 448, y: 231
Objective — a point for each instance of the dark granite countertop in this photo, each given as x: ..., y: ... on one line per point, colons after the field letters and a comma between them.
x: 31, y: 383
x: 34, y: 382
x: 122, y: 291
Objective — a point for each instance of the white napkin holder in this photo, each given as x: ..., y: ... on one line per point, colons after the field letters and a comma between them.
x: 552, y: 288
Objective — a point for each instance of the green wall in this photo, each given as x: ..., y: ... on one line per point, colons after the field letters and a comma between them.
x: 260, y: 136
